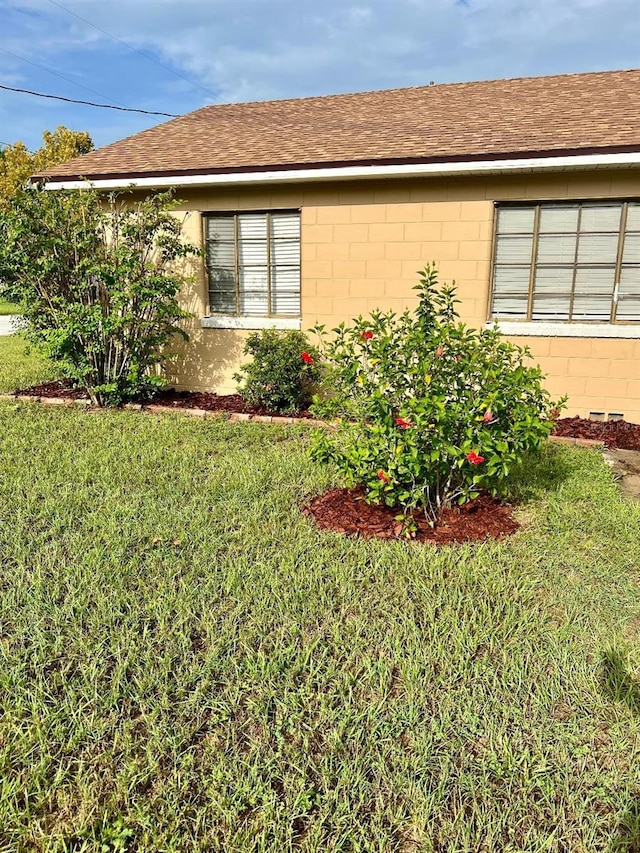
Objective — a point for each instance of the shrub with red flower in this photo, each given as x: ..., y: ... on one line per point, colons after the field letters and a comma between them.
x: 479, y: 405
x: 276, y: 377
x: 403, y: 424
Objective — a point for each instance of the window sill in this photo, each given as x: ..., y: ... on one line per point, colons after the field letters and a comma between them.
x: 568, y: 330
x: 228, y: 322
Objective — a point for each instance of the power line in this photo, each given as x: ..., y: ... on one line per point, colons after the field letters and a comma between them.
x: 57, y: 74
x: 87, y: 103
x: 134, y: 49
x: 15, y: 145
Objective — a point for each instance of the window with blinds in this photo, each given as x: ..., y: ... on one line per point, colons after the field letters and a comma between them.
x: 574, y: 262
x: 253, y: 263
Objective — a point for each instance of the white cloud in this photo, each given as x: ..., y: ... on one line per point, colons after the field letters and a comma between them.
x: 256, y: 49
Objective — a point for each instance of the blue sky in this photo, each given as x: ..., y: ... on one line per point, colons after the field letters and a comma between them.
x: 237, y: 50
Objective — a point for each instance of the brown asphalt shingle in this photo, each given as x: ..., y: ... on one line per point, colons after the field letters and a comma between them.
x: 500, y: 118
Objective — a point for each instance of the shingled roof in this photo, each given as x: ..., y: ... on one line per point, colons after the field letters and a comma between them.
x: 535, y: 116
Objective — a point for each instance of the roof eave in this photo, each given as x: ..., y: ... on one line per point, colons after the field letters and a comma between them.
x: 581, y: 160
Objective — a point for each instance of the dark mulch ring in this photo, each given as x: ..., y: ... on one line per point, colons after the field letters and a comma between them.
x: 345, y: 511
x: 58, y: 388
x: 617, y: 435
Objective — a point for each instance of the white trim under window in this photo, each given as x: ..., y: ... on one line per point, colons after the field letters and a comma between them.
x: 225, y: 322
x: 567, y: 262
x: 253, y: 269
x: 569, y: 330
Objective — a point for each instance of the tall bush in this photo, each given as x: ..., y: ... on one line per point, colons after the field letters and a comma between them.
x: 96, y: 278
x: 429, y: 411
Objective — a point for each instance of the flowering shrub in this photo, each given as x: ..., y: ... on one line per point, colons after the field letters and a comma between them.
x: 282, y: 375
x: 429, y: 412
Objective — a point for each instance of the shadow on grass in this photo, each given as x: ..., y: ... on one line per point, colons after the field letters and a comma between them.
x: 619, y: 686
x: 538, y: 474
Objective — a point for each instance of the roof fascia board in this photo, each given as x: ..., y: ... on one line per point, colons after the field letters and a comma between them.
x: 337, y: 173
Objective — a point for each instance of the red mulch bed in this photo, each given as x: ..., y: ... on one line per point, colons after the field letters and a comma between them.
x: 615, y: 434
x: 213, y: 403
x: 175, y: 399
x: 345, y: 511
x: 59, y: 388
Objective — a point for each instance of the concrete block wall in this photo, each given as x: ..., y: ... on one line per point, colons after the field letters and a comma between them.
x: 362, y: 245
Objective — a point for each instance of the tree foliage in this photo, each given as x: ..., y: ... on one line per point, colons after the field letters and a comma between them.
x: 96, y: 278
x: 17, y: 163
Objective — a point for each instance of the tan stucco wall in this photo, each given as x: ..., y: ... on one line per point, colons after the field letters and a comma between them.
x: 362, y: 244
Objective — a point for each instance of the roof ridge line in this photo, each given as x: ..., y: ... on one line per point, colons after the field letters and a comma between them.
x: 418, y: 87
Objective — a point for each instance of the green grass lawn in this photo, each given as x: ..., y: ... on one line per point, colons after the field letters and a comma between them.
x: 8, y: 308
x: 20, y: 366
x: 188, y: 665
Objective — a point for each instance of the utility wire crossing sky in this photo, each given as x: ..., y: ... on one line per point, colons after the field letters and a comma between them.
x: 157, y: 58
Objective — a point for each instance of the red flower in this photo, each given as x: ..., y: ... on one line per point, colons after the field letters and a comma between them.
x: 440, y: 352
x: 474, y: 458
x: 308, y: 359
x: 382, y: 476
x: 366, y: 335
x: 404, y: 424
x: 488, y: 416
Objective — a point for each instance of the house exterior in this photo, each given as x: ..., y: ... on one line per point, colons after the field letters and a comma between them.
x: 525, y: 191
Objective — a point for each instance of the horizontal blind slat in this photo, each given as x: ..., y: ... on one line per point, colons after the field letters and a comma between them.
x: 515, y: 220
x: 558, y: 219
x: 514, y: 250
x: 551, y: 307
x: 285, y: 225
x: 557, y: 249
x: 629, y: 281
x: 601, y: 217
x: 628, y: 309
x: 597, y: 248
x: 221, y: 228
x: 595, y: 280
x: 252, y: 252
x: 285, y: 252
x: 633, y: 216
x: 554, y: 280
x: 631, y: 250
x: 252, y: 226
x: 591, y: 308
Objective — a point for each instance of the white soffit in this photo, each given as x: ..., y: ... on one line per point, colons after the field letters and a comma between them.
x: 338, y: 173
